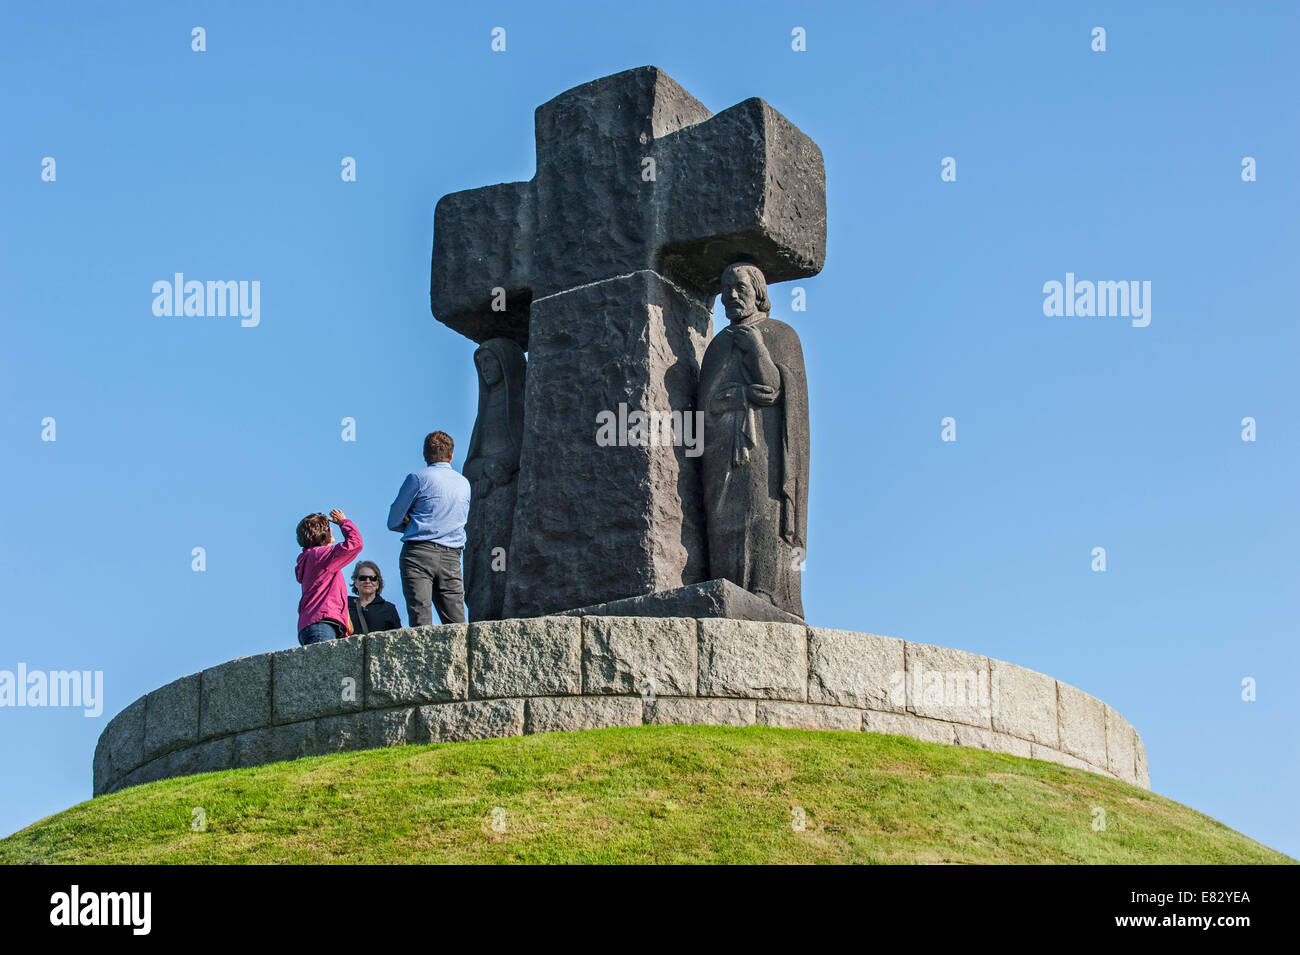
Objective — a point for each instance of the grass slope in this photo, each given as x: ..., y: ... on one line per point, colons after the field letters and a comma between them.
x: 642, y: 794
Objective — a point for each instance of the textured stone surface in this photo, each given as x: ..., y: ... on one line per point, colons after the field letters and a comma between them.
x: 808, y: 716
x: 596, y: 522
x: 561, y: 713
x: 1083, y: 724
x: 711, y: 598
x: 1049, y: 755
x: 979, y: 738
x: 1121, y: 739
x: 946, y: 684
x: 492, y: 469
x: 621, y: 655
x: 316, y: 680
x: 526, y: 657
x: 475, y: 719
x: 294, y: 740
x: 855, y: 669
x: 673, y: 711
x: 744, y: 181
x: 417, y: 665
x: 121, y: 746
x: 751, y: 659
x: 607, y: 275
x: 171, y: 717
x: 372, y: 729
x: 905, y: 724
x: 235, y: 696
x: 1024, y: 703
x: 1143, y: 775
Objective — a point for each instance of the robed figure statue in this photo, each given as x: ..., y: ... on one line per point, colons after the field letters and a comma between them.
x: 754, y: 395
x: 491, y: 467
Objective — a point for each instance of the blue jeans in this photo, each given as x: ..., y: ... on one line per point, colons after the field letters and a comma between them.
x: 316, y: 633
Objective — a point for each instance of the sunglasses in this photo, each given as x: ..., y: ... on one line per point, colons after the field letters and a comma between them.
x: 366, y: 577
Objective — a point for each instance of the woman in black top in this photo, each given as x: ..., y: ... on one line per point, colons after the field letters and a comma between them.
x: 370, y: 611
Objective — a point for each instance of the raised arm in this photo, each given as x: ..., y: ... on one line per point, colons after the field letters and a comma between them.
x: 341, y: 555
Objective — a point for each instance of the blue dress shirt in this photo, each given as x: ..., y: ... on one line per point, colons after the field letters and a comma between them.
x: 436, y: 499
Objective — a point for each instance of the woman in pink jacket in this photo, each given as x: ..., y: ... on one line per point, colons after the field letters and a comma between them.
x: 323, y: 609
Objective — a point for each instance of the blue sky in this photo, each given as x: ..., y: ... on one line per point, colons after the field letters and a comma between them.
x: 1072, y: 433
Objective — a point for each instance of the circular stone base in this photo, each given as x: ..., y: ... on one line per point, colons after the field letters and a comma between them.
x: 543, y: 674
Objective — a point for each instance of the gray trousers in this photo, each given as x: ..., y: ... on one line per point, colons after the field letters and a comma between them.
x: 431, y: 574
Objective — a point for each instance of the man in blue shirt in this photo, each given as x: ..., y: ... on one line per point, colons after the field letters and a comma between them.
x: 430, y: 512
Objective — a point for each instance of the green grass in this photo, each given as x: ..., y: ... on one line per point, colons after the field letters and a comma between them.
x: 643, y: 794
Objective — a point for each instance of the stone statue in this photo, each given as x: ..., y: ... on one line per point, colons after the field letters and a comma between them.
x: 754, y: 395
x: 491, y: 466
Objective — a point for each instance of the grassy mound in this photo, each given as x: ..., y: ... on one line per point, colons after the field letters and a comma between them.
x: 642, y: 794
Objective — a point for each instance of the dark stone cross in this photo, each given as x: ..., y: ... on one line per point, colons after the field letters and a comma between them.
x: 604, y: 267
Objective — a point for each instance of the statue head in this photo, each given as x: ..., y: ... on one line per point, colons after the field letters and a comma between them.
x: 489, y: 366
x: 744, y: 292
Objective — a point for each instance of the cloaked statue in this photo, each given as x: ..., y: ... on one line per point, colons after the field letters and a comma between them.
x: 754, y: 394
x: 491, y: 467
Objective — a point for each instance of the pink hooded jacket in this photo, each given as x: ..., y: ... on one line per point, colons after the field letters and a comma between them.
x: 324, y: 594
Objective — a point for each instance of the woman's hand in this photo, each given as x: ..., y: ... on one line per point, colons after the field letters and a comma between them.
x: 336, y: 516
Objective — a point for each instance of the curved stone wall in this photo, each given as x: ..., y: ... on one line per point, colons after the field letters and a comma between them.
x: 538, y: 675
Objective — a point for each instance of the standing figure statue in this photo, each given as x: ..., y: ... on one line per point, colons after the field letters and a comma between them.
x: 754, y: 394
x: 491, y: 467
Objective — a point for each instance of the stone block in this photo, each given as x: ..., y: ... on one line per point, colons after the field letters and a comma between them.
x: 417, y: 665
x: 712, y: 598
x: 675, y: 711
x: 320, y: 679
x: 1049, y: 755
x: 1082, y: 720
x: 474, y: 719
x: 1140, y: 753
x: 253, y: 748
x: 739, y: 658
x: 808, y: 716
x: 211, y: 756
x: 525, y: 657
x: 633, y: 341
x: 855, y: 669
x: 171, y: 717
x: 294, y: 740
x: 235, y: 696
x: 1024, y: 703
x: 620, y: 654
x: 1121, y: 746
x: 122, y: 743
x: 907, y: 724
x: 372, y: 729
x: 946, y: 684
x: 980, y: 738
x: 562, y: 714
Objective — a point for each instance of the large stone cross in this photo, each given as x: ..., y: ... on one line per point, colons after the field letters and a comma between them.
x: 604, y: 267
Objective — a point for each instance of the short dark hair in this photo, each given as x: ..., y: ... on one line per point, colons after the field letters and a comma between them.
x: 437, y: 447
x: 379, y: 578
x: 313, y: 530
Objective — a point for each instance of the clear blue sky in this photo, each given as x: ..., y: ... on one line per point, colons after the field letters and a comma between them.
x: 1072, y: 433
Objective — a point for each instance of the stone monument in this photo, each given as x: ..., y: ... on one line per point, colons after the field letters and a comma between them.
x: 491, y: 467
x: 644, y: 584
x: 754, y: 395
x: 604, y: 267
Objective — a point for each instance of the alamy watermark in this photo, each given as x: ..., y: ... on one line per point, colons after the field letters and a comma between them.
x: 61, y: 688
x: 641, y: 429
x: 196, y: 299
x: 1086, y: 299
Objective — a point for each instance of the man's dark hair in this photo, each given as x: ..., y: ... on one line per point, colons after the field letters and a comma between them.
x: 313, y: 530
x: 437, y: 447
